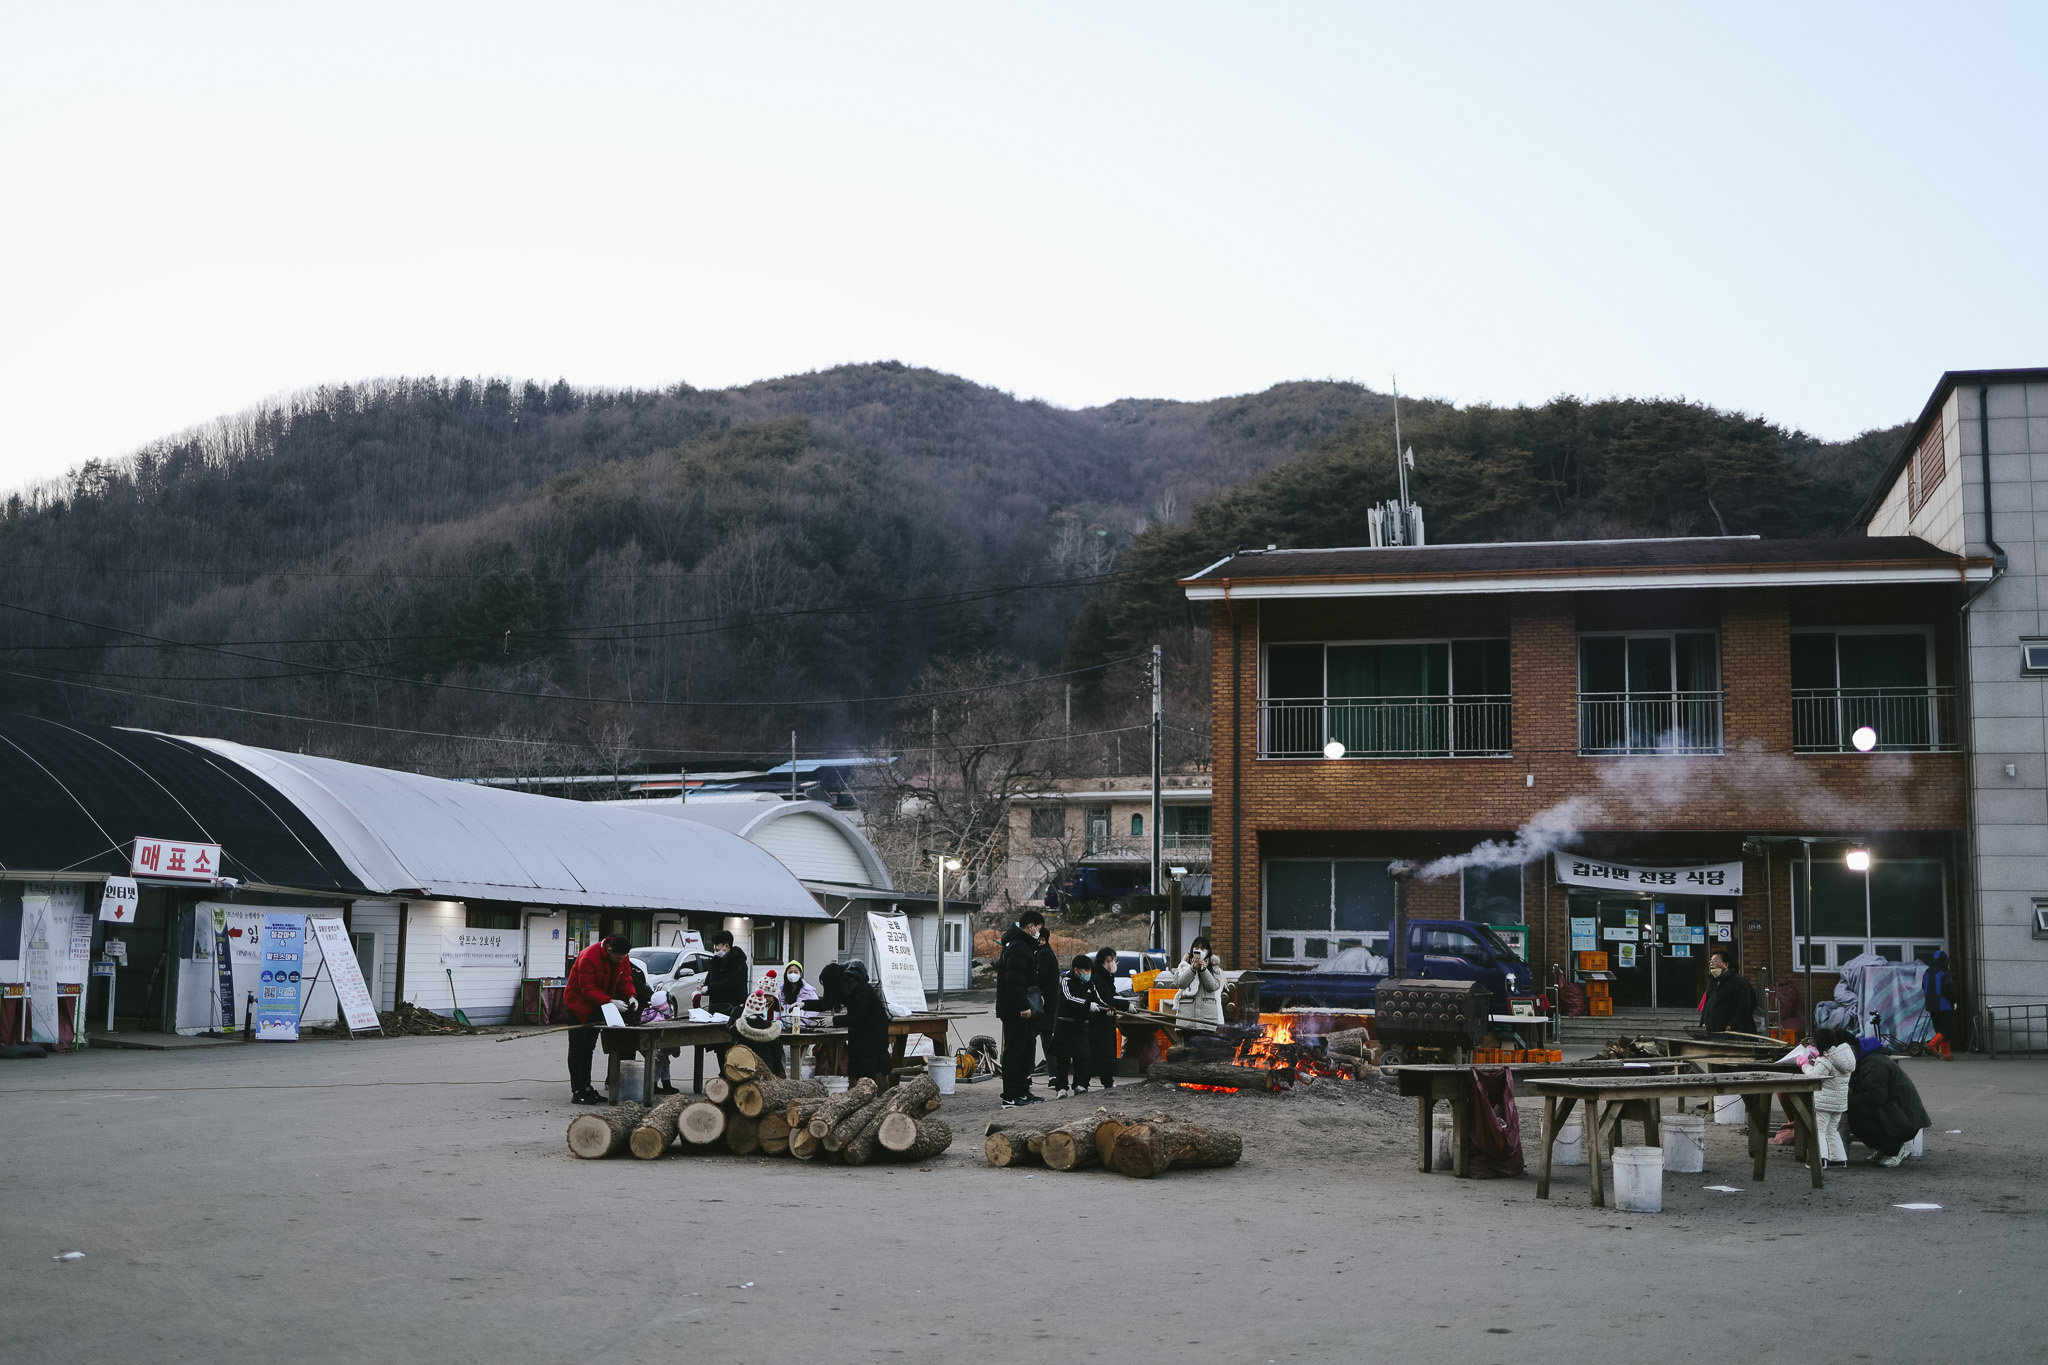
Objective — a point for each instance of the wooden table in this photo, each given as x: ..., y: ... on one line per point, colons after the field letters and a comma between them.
x: 1439, y: 1082
x: 1724, y: 1049
x: 648, y: 1039
x: 1605, y: 1098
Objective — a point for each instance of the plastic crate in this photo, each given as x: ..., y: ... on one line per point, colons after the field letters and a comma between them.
x: 1599, y: 1005
x: 1592, y: 962
x: 1598, y: 990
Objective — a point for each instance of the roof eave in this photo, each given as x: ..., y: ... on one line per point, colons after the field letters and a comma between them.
x: 1976, y: 570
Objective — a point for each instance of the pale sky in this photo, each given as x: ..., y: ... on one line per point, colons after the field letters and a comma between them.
x: 1807, y: 211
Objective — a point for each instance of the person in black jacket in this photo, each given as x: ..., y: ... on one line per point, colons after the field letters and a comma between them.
x: 1016, y: 991
x: 846, y: 988
x: 726, y: 981
x: 1884, y: 1108
x: 1102, y: 1027
x: 1045, y: 964
x: 1731, y: 1001
x: 1078, y: 1006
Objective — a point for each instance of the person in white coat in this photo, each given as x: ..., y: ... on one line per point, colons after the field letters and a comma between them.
x: 1835, y: 1064
x: 1200, y: 982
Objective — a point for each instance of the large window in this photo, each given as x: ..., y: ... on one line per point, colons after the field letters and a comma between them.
x: 1407, y: 699
x: 1650, y: 693
x: 1048, y: 822
x: 1493, y: 895
x: 1316, y: 907
x: 1846, y: 680
x: 1187, y: 826
x: 1897, y: 910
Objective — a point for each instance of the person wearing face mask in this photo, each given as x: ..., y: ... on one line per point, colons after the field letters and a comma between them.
x: 1078, y: 1006
x: 1020, y: 1006
x: 1102, y: 1025
x: 1730, y: 1006
x: 1200, y: 982
x: 725, y: 981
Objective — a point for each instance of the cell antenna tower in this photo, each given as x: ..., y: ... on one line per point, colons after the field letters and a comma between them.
x: 1397, y: 521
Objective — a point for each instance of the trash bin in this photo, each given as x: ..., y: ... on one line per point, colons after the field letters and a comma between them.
x: 1639, y: 1179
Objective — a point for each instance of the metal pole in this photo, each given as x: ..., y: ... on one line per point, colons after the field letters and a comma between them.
x: 1158, y: 790
x: 942, y: 929
x: 1397, y: 957
x: 792, y: 765
x: 1809, y: 936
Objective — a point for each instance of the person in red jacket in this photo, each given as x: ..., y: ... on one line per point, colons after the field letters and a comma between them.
x: 600, y: 975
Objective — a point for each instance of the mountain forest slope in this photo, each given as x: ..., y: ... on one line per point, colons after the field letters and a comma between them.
x: 469, y: 576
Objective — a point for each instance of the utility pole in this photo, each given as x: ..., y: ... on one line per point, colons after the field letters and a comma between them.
x: 1158, y: 792
x: 792, y: 765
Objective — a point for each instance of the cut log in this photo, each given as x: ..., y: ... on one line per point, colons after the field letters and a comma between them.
x: 656, y: 1132
x: 701, y: 1122
x: 742, y: 1135
x: 742, y: 1063
x: 910, y: 1097
x: 1109, y: 1125
x: 802, y: 1145
x: 1221, y: 1076
x: 1146, y: 1150
x: 718, y: 1090
x: 1009, y: 1144
x: 774, y: 1126
x: 775, y: 1146
x: 914, y: 1139
x: 1356, y: 1041
x: 604, y: 1132
x: 1070, y: 1146
x: 800, y: 1112
x: 770, y: 1094
x: 828, y: 1114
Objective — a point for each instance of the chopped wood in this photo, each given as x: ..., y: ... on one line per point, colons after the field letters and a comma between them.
x: 656, y: 1132
x: 802, y: 1145
x: 827, y: 1115
x: 1146, y: 1150
x: 1216, y: 1074
x: 801, y: 1111
x: 774, y: 1126
x: 742, y: 1063
x: 718, y: 1090
x: 742, y: 1135
x: 775, y: 1146
x: 769, y: 1094
x: 701, y: 1122
x: 1357, y: 1041
x: 1109, y: 1125
x: 1071, y: 1146
x: 907, y: 1098
x: 1009, y: 1144
x: 914, y: 1139
x: 603, y: 1132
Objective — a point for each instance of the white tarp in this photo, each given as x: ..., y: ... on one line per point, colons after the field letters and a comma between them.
x: 1704, y: 879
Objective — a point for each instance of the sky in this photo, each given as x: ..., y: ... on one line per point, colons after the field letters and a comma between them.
x: 1807, y: 212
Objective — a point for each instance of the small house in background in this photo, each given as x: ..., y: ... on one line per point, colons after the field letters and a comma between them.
x: 1085, y: 842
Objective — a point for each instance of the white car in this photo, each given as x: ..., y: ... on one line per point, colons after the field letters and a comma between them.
x: 1129, y: 964
x: 679, y: 972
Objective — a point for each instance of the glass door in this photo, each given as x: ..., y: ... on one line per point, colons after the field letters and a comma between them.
x: 1620, y: 925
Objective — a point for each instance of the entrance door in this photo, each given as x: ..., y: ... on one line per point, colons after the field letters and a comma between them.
x: 1622, y: 924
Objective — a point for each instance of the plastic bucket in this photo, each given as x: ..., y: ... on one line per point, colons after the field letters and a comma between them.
x: 1730, y: 1109
x: 942, y: 1071
x: 1639, y: 1179
x: 1685, y: 1142
x: 633, y: 1080
x: 1570, y: 1147
x: 1440, y: 1143
x: 1918, y: 1146
x: 835, y: 1085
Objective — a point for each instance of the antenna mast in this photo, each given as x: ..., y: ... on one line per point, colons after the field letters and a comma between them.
x: 1400, y: 461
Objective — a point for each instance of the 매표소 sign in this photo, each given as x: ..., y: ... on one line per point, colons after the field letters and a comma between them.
x: 1706, y: 879
x: 171, y: 860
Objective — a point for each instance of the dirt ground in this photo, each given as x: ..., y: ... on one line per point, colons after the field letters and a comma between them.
x: 414, y: 1199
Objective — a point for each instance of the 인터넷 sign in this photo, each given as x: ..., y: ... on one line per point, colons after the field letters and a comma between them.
x: 119, y: 900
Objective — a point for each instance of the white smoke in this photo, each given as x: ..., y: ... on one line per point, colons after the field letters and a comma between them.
x: 1547, y: 831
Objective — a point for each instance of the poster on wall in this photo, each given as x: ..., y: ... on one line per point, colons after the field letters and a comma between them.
x: 1628, y: 954
x: 224, y: 968
x: 279, y: 984
x: 482, y: 948
x: 1585, y: 935
x: 42, y: 969
x: 350, y: 990
x: 896, y: 969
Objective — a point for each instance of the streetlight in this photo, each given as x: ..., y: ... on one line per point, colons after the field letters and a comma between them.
x: 1858, y: 860
x: 1865, y: 739
x: 946, y: 864
x: 1334, y: 749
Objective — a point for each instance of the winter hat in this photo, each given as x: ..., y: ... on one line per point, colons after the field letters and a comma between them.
x: 757, y: 1019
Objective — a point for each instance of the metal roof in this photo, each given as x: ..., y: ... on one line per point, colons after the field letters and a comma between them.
x: 750, y: 814
x: 1581, y: 566
x: 402, y: 833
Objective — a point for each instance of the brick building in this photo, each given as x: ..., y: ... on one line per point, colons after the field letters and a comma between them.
x: 1682, y: 704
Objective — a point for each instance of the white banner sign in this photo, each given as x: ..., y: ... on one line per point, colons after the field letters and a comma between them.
x: 169, y: 860
x: 896, y: 970
x: 42, y: 969
x: 120, y: 900
x: 481, y: 948
x: 350, y: 989
x: 1708, y: 879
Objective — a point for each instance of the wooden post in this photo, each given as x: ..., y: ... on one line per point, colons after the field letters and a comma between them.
x: 1549, y: 1136
x: 398, y: 986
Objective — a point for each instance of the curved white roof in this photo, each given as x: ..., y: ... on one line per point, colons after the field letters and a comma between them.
x: 813, y: 841
x: 401, y: 832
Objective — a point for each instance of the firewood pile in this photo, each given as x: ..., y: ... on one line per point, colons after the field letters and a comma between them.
x: 409, y: 1020
x: 1246, y: 1057
x: 748, y: 1110
x: 1141, y: 1146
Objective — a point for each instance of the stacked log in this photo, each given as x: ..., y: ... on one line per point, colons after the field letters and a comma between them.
x: 1221, y: 1075
x: 1145, y: 1150
x: 656, y: 1132
x: 769, y: 1094
x: 914, y: 1139
x: 913, y: 1097
x: 701, y: 1123
x: 599, y: 1133
x: 1140, y: 1146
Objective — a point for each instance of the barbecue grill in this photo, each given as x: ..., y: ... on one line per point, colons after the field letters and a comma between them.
x: 1413, y: 1017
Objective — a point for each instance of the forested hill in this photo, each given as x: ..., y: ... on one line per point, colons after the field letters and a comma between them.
x: 478, y: 558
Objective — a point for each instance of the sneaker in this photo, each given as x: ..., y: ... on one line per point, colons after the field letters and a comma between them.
x: 1058, y: 1093
x: 666, y: 1089
x: 1109, y: 1083
x: 1080, y: 1090
x: 1889, y: 1162
x: 1016, y: 1104
x: 587, y: 1097
x: 1032, y: 1099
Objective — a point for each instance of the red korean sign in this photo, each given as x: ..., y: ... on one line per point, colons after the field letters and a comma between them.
x: 169, y: 860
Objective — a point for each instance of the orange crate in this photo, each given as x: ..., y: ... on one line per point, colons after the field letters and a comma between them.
x: 1592, y: 962
x: 1599, y: 1005
x: 1598, y: 990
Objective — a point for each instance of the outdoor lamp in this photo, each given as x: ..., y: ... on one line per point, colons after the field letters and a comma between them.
x: 1334, y: 749
x: 952, y: 864
x: 1859, y: 860
x: 1865, y: 739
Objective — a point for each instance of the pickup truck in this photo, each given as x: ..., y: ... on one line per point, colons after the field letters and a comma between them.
x: 1438, y: 949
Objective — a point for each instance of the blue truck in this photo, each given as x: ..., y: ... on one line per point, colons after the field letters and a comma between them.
x: 1438, y: 949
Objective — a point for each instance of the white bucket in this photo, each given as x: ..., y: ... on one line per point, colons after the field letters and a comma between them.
x: 1918, y: 1146
x: 1440, y: 1143
x: 942, y: 1071
x: 1639, y: 1179
x: 835, y: 1085
x: 1730, y: 1109
x: 1685, y: 1142
x: 633, y: 1081
x: 806, y: 1069
x: 1570, y: 1147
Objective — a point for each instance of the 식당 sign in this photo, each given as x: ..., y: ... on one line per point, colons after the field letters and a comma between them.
x: 170, y: 860
x: 1706, y: 879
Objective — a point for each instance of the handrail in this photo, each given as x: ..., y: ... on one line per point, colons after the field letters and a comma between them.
x: 1464, y: 726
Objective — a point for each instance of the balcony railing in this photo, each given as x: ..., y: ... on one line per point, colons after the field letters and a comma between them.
x: 1650, y: 723
x: 1140, y: 846
x: 1387, y: 727
x: 1907, y: 719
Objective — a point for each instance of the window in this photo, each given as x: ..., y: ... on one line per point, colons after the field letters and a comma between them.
x: 1098, y: 829
x: 1897, y: 910
x: 1188, y: 822
x: 1925, y: 473
x: 473, y: 918
x: 365, y: 946
x: 768, y: 942
x: 1432, y: 941
x: 1048, y: 822
x: 1310, y: 902
x: 1843, y: 680
x: 1137, y: 826
x: 1493, y: 895
x: 952, y: 938
x: 1411, y: 699
x: 1650, y: 694
x: 2034, y: 656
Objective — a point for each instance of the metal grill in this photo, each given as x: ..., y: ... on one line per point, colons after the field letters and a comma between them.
x: 1480, y: 726
x: 2016, y: 1030
x: 1906, y: 719
x: 1650, y: 722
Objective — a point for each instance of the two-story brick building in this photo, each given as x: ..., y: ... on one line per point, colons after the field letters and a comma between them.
x: 1680, y: 704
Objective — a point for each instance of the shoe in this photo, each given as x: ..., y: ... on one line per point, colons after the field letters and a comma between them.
x: 1032, y: 1099
x: 1016, y: 1104
x: 1108, y: 1083
x: 1080, y: 1090
x: 587, y: 1097
x: 1058, y: 1093
x: 666, y: 1089
x: 1892, y: 1161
